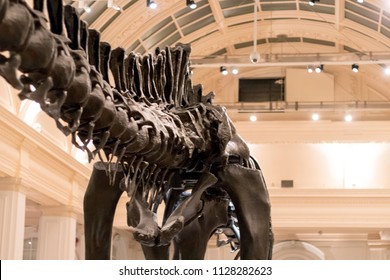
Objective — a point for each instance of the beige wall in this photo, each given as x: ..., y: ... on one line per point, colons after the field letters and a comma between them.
x: 325, y: 165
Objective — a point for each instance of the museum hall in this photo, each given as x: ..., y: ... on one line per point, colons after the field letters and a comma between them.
x: 306, y: 85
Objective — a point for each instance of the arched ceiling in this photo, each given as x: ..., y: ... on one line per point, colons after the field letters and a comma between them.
x: 225, y: 27
x: 289, y: 33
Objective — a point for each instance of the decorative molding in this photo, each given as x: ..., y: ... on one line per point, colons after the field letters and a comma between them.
x: 328, y: 209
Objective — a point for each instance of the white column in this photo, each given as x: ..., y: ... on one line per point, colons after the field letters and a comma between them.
x: 57, y: 234
x: 12, y: 214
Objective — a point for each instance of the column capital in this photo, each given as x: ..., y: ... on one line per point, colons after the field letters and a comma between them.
x: 13, y: 184
x: 60, y: 211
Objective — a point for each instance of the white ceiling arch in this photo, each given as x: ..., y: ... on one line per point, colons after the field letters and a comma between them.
x: 358, y: 26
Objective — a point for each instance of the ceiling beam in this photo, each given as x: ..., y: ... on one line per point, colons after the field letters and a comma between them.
x: 283, y: 59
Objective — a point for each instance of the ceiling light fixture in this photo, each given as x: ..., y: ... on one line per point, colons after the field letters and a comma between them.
x: 319, y: 68
x: 151, y: 4
x: 355, y: 68
x: 83, y: 6
x: 315, y: 116
x: 253, y: 118
x: 191, y: 4
x: 235, y: 71
x: 310, y: 69
x: 112, y: 5
x: 223, y: 70
x: 255, y: 56
x: 313, y: 2
x: 360, y: 1
x: 387, y: 70
x: 348, y: 118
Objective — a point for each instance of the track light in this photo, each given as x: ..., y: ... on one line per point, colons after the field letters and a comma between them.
x: 191, y: 4
x: 360, y: 1
x: 319, y: 68
x: 112, y: 5
x: 235, y: 71
x: 310, y: 69
x: 313, y: 2
x: 83, y: 6
x: 223, y: 70
x: 151, y: 4
x: 348, y: 118
x: 355, y: 68
x: 315, y: 116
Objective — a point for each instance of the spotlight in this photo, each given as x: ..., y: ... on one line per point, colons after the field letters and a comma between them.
x: 151, y: 4
x: 360, y: 1
x: 191, y: 4
x: 254, y: 57
x: 234, y: 71
x: 355, y: 68
x: 223, y: 70
x: 348, y: 118
x: 315, y: 117
x: 313, y: 2
x: 319, y: 68
x: 253, y: 118
x: 310, y: 69
x: 387, y: 70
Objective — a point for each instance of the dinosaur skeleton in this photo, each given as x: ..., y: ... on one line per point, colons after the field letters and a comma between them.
x: 153, y: 131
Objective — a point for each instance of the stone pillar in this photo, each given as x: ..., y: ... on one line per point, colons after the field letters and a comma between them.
x: 12, y: 216
x: 57, y: 234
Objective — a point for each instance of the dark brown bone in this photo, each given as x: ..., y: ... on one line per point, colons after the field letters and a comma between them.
x: 105, y: 50
x: 55, y: 11
x: 72, y: 24
x: 4, y: 4
x: 93, y: 48
x: 16, y: 28
x: 84, y: 35
x: 117, y: 68
x: 38, y: 5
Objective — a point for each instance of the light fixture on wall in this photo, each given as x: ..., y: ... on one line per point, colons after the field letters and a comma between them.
x: 319, y: 68
x: 223, y: 70
x: 191, y: 4
x: 355, y: 68
x: 151, y: 4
